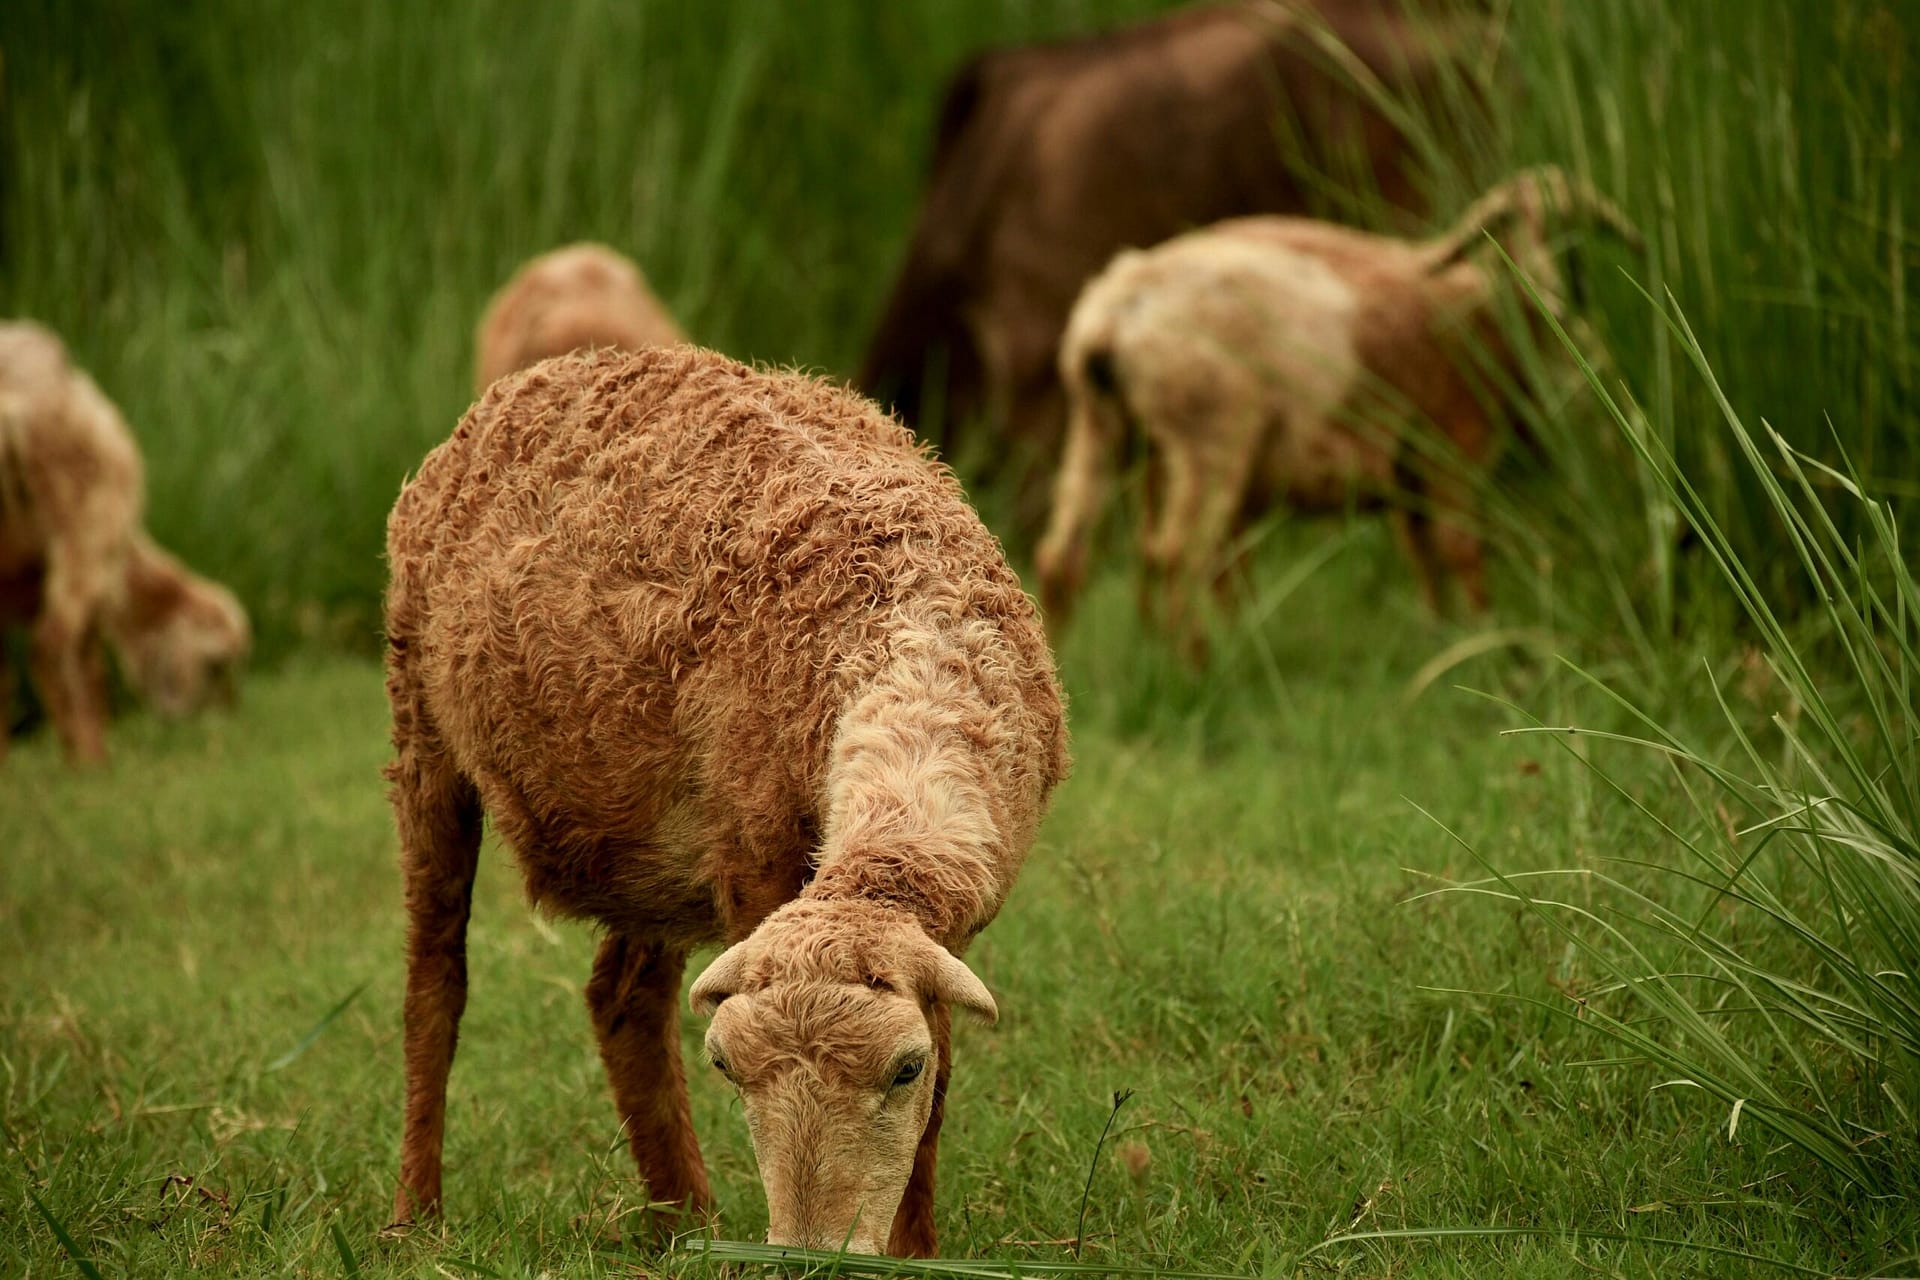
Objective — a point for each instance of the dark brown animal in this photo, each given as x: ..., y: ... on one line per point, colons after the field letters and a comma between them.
x: 1048, y: 159
x: 726, y: 658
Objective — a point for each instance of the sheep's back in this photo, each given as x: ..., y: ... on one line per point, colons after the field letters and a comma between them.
x: 69, y: 469
x: 1238, y: 314
x: 584, y: 295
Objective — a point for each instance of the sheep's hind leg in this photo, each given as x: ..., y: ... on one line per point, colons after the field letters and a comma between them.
x: 634, y: 998
x: 438, y: 814
x: 1207, y: 483
x: 1079, y: 491
x: 913, y: 1232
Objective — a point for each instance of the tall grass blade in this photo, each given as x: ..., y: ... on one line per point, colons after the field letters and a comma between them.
x: 67, y: 1242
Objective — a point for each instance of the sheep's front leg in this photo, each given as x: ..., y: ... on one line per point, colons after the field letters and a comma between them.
x: 1456, y: 539
x: 913, y: 1232
x: 1456, y: 508
x: 438, y: 814
x: 65, y: 660
x: 634, y: 997
x: 1413, y: 532
x: 1436, y: 518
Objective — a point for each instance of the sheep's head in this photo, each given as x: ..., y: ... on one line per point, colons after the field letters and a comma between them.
x: 181, y: 637
x: 824, y: 1020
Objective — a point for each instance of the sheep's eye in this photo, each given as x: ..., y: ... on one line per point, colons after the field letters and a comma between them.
x: 720, y: 1065
x: 909, y: 1072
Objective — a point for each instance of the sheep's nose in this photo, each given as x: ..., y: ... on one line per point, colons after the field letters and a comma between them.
x: 813, y: 1236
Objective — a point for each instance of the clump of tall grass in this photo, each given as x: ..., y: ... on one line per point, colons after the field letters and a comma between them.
x: 1763, y: 151
x: 1766, y: 953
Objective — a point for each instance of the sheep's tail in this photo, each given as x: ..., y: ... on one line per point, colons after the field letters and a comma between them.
x: 1529, y: 199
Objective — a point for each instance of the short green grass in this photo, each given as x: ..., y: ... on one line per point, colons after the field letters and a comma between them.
x: 1216, y: 919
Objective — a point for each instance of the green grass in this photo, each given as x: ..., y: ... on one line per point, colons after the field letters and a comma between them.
x: 1216, y: 919
x: 1800, y: 835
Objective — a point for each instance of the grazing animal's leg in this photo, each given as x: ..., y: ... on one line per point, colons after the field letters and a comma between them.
x: 991, y: 342
x: 1165, y: 535
x: 634, y: 998
x: 6, y: 703
x: 1033, y: 428
x: 66, y: 667
x: 1456, y: 542
x: 1411, y: 517
x: 1079, y: 491
x: 1456, y: 535
x: 438, y: 815
x: 1153, y: 499
x: 913, y: 1232
x: 1412, y: 530
x: 1207, y: 474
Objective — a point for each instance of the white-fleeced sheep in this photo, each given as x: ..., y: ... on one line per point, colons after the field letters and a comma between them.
x: 1273, y: 359
x: 580, y: 296
x: 76, y: 566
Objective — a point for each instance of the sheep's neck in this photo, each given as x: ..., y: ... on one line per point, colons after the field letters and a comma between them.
x: 910, y: 812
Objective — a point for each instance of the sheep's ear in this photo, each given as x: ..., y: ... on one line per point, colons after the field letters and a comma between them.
x: 722, y: 979
x: 956, y: 984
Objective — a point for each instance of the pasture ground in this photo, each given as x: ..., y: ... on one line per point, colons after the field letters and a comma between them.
x: 1220, y: 917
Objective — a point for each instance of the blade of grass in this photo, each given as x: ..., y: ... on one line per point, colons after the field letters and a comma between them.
x: 317, y: 1030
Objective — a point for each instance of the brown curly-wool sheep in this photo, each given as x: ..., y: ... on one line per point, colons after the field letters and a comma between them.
x: 583, y: 295
x: 726, y: 657
x: 75, y: 565
x: 1287, y: 359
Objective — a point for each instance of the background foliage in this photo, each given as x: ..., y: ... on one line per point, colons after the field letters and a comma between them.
x: 269, y: 229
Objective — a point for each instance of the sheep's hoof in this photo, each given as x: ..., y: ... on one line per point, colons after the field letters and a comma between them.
x: 409, y: 1227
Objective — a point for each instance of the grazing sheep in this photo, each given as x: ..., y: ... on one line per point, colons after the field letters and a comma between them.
x: 1284, y: 359
x: 584, y: 295
x: 179, y: 637
x: 726, y: 657
x: 1050, y: 158
x: 75, y: 564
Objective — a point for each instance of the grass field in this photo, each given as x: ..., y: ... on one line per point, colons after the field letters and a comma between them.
x: 1218, y: 922
x: 1287, y: 903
